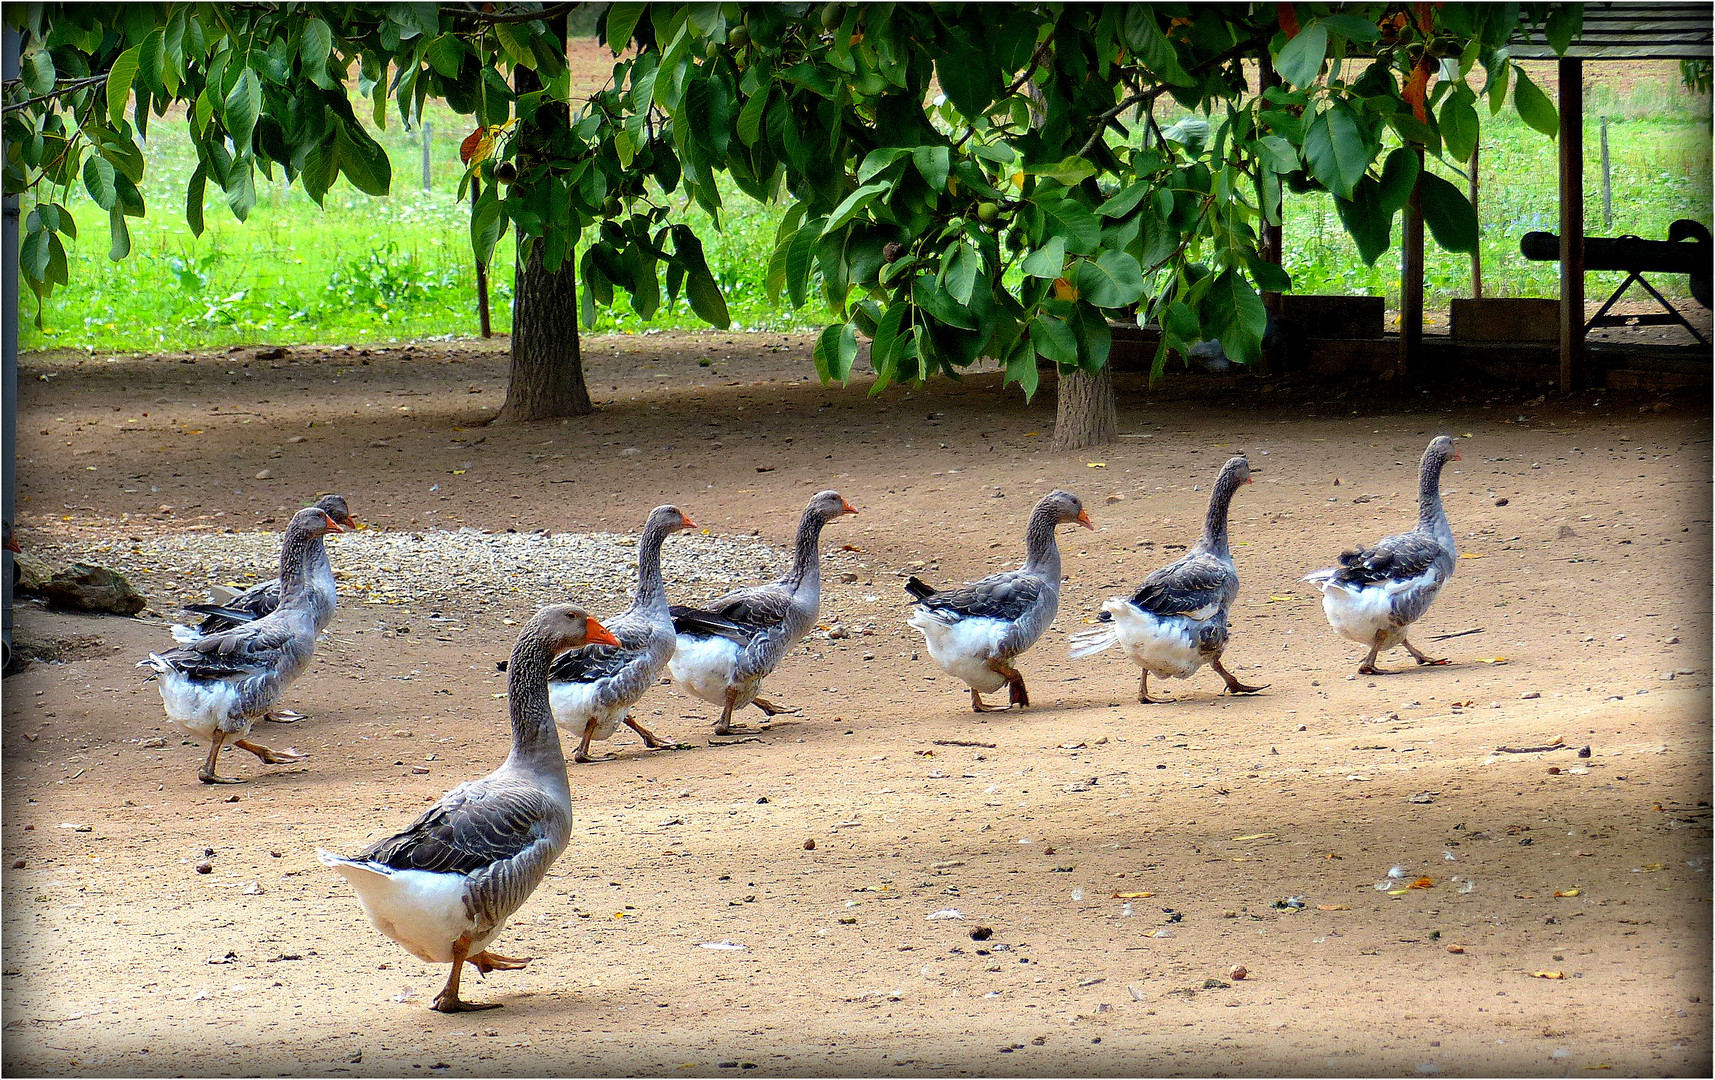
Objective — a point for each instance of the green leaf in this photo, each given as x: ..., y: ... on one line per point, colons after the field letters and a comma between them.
x: 33, y: 253
x: 1335, y: 151
x: 487, y: 220
x: 1080, y: 229
x: 362, y: 159
x: 836, y: 351
x: 121, y: 234
x: 1048, y: 261
x: 1235, y: 310
x: 1448, y: 213
x: 315, y: 47
x: 1458, y: 127
x: 38, y: 72
x: 1123, y: 201
x: 242, y: 107
x: 885, y: 345
x: 241, y: 186
x: 1054, y: 339
x: 853, y: 203
x: 98, y: 177
x: 929, y: 296
x: 621, y: 22
x: 1564, y: 23
x: 1143, y: 34
x: 708, y: 106
x: 1021, y: 368
x: 800, y: 260
x: 446, y: 55
x: 515, y: 45
x: 1300, y: 61
x: 119, y: 83
x: 750, y: 117
x: 933, y: 162
x: 1366, y: 219
x: 1268, y: 276
x: 194, y: 193
x: 959, y: 275
x: 1112, y: 280
x: 1351, y: 27
x: 1533, y: 105
x: 1399, y: 176
x: 1278, y: 154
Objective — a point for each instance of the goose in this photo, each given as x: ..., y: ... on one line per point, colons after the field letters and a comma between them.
x: 1375, y: 593
x: 975, y: 631
x: 445, y: 887
x: 725, y: 648
x: 593, y: 688
x: 218, y: 686
x: 258, y: 600
x: 1177, y: 620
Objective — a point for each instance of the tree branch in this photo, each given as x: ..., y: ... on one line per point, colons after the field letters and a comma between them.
x: 550, y: 11
x: 67, y: 88
x: 1106, y: 117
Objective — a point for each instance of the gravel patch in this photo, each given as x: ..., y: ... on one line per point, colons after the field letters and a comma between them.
x: 461, y: 570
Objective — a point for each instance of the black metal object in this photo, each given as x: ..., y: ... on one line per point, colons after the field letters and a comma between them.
x: 1687, y: 250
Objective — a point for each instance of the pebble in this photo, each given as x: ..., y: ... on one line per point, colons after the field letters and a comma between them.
x: 1237, y: 972
x: 1530, y: 694
x: 154, y: 742
x: 1500, y: 502
x: 265, y: 474
x: 205, y: 867
x: 810, y: 845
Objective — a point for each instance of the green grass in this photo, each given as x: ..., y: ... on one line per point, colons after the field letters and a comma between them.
x: 399, y: 268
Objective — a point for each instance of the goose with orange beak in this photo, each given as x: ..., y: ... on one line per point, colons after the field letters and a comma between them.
x: 976, y: 631
x: 592, y: 689
x: 445, y: 887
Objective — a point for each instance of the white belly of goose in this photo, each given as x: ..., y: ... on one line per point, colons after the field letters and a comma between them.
x: 1359, y: 614
x: 704, y: 666
x: 1164, y: 647
x: 422, y: 910
x: 574, y: 704
x: 963, y: 647
x: 197, y: 707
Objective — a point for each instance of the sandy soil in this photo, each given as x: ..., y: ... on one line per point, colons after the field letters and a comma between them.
x: 1125, y: 856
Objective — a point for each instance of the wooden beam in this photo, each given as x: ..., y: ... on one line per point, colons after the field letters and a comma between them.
x: 1411, y: 282
x: 1272, y: 234
x: 1572, y: 373
x: 1476, y: 208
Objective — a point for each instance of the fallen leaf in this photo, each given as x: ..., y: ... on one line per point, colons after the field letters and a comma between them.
x: 1567, y: 892
x: 1548, y: 974
x: 1493, y: 660
x: 1133, y: 895
x: 1471, y: 555
x: 1333, y: 907
x: 1254, y: 836
x: 1282, y: 599
x: 1096, y: 464
x: 1652, y: 868
x: 1422, y: 883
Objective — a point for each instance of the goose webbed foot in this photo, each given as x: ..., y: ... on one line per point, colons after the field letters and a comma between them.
x: 770, y: 708
x: 1234, y: 686
x: 486, y: 962
x: 1427, y: 661
x: 582, y: 754
x: 1143, y: 697
x: 979, y: 705
x: 1017, y: 694
x: 283, y: 716
x: 271, y: 757
x: 724, y: 725
x: 207, y: 774
x: 448, y: 1000
x: 650, y: 739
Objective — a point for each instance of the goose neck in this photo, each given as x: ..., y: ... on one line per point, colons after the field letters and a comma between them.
x: 806, y: 573
x: 651, y: 588
x: 535, y: 739
x: 1041, y: 551
x: 1430, y: 512
x: 1220, y: 504
x: 301, y: 554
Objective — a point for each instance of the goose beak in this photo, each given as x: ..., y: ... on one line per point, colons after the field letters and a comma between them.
x: 847, y: 508
x: 1083, y: 519
x: 352, y: 524
x: 597, y: 634
x: 12, y: 544
x: 334, y: 526
x: 685, y: 521
x: 1457, y: 456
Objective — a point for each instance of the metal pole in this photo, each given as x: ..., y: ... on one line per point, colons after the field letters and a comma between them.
x: 9, y: 349
x: 1571, y: 223
x: 481, y: 271
x: 1607, y: 184
x: 1476, y: 252
x: 428, y: 132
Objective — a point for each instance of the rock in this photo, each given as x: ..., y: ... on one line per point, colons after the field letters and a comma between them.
x: 1500, y: 502
x: 265, y: 474
x: 154, y: 742
x: 810, y: 845
x: 1566, y: 533
x: 848, y: 578
x: 205, y: 867
x: 33, y: 572
x: 86, y: 587
x: 1530, y: 695
x: 1237, y: 972
x: 1111, y: 499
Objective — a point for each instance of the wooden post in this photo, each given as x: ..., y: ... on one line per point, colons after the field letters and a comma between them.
x: 1571, y: 223
x: 428, y: 134
x: 1411, y: 282
x: 481, y: 272
x: 1607, y: 184
x: 1476, y: 252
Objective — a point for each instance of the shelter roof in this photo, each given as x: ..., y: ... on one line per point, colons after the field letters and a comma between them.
x: 1632, y: 30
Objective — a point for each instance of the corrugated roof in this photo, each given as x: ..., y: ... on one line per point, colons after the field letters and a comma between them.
x: 1637, y: 30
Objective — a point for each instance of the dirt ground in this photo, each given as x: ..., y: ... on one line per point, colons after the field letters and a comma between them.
x: 1126, y: 857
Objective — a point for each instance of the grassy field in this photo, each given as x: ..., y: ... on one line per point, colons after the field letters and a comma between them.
x: 398, y: 268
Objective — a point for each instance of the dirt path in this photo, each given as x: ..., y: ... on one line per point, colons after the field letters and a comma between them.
x: 1126, y: 857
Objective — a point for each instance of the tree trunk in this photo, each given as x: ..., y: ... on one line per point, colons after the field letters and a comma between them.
x: 1084, y: 415
x: 547, y: 378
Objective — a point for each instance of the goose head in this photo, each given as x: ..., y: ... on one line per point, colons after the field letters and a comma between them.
x: 668, y: 519
x: 566, y: 626
x: 1065, y: 507
x: 334, y: 506
x: 828, y: 505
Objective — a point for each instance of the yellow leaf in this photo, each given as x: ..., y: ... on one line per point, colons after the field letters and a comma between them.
x: 1471, y: 555
x: 458, y: 472
x: 1650, y: 869
x: 1281, y: 599
x: 1567, y: 892
x: 1422, y: 883
x: 1333, y: 907
x: 1493, y: 660
x: 1065, y: 290
x: 1548, y: 974
x: 1254, y: 836
x: 1096, y: 464
x: 1133, y: 895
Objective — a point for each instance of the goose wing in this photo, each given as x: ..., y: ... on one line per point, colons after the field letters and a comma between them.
x: 247, y: 606
x: 244, y: 650
x: 1009, y: 596
x: 1396, y: 558
x: 472, y: 828
x: 740, y: 615
x: 592, y: 663
x: 1195, y: 586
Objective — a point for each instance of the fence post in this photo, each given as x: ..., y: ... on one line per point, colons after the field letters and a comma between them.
x: 1607, y: 184
x: 1476, y: 252
x: 428, y: 132
x: 481, y: 271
